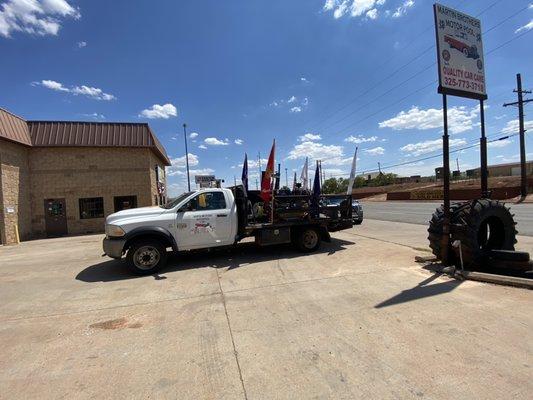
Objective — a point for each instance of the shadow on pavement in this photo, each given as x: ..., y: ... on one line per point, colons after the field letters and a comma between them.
x: 230, y: 258
x: 422, y: 290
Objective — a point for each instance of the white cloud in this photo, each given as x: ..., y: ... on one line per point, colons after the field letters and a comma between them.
x: 238, y: 141
x: 460, y: 119
x: 525, y: 27
x: 83, y: 90
x: 360, y: 139
x: 292, y: 99
x: 82, y: 44
x: 429, y: 146
x: 309, y: 137
x: 304, y: 80
x: 376, y: 151
x: 329, y: 154
x: 193, y: 135
x: 35, y: 17
x: 499, y: 143
x: 296, y: 109
x: 213, y: 141
x: 202, y: 146
x: 94, y: 116
x: 514, y: 127
x: 355, y: 8
x: 372, y: 14
x: 179, y: 163
x: 157, y: 111
x: 305, y: 102
x: 402, y: 10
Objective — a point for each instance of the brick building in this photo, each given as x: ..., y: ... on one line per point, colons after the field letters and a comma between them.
x: 59, y: 178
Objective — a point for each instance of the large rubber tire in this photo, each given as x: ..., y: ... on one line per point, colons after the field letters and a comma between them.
x: 146, y: 257
x: 307, y: 239
x: 483, y: 225
x: 435, y: 231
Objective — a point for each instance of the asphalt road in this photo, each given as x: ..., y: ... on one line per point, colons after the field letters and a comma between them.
x: 420, y: 213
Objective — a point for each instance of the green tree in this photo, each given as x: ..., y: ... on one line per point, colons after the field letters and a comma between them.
x: 383, y: 180
x: 335, y: 186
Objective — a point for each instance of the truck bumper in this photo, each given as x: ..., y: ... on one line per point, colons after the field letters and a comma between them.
x: 113, y: 247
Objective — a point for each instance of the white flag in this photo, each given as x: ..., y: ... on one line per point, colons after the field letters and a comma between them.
x: 352, y: 173
x: 304, y: 177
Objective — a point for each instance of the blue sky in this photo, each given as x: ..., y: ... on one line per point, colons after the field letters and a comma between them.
x: 321, y: 77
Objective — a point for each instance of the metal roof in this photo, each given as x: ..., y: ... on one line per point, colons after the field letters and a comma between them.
x: 14, y: 128
x: 79, y: 134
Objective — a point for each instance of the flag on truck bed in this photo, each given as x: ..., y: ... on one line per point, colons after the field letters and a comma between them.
x: 244, y: 176
x: 315, y: 199
x: 266, y: 183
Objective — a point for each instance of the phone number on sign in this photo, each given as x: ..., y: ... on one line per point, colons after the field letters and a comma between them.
x: 463, y: 84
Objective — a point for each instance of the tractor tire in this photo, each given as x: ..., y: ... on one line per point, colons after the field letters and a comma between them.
x: 481, y: 226
x: 435, y: 231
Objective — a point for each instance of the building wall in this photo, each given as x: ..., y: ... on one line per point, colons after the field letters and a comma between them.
x: 76, y: 172
x: 15, y: 208
x: 154, y: 161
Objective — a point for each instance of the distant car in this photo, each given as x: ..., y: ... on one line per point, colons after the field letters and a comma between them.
x: 461, y: 43
x: 357, y: 212
x: 357, y: 208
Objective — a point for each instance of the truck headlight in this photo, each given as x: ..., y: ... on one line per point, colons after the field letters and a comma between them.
x: 114, y: 231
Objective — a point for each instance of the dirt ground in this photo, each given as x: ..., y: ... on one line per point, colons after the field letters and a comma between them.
x: 358, y: 319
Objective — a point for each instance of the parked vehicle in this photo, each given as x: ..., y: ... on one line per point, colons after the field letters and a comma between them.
x: 461, y: 43
x: 357, y: 207
x: 210, y: 218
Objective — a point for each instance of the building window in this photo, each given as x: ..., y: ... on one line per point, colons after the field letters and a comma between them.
x: 125, y: 202
x: 92, y: 207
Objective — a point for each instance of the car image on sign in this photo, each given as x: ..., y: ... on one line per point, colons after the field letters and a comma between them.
x: 460, y: 43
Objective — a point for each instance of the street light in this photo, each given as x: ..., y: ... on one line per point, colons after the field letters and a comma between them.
x: 187, y: 157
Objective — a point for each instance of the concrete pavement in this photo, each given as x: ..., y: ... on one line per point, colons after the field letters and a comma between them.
x: 359, y: 319
x: 414, y: 212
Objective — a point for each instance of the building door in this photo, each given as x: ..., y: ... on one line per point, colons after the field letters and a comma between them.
x: 55, y: 217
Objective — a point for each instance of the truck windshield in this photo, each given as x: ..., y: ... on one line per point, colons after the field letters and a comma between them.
x: 174, y: 202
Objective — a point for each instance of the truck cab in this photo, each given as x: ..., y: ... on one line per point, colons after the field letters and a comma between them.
x: 202, y: 219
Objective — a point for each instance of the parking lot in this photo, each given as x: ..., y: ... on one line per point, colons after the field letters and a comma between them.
x: 358, y: 319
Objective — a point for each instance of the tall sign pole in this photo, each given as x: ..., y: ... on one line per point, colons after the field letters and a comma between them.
x: 461, y: 73
x: 483, y: 153
x: 520, y: 103
x: 187, y: 157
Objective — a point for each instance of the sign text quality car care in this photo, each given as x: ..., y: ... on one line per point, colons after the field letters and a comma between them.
x: 460, y: 53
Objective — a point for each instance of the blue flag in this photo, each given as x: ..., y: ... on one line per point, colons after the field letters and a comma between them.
x: 244, y: 177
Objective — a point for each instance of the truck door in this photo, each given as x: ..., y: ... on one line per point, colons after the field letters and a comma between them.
x: 205, y: 221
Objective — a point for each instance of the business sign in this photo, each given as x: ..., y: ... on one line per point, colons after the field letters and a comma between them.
x: 459, y: 54
x: 204, y: 178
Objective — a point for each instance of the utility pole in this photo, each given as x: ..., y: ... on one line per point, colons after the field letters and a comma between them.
x: 187, y: 157
x: 484, y: 171
x: 520, y: 103
x: 256, y: 185
x: 286, y: 178
x: 379, y: 167
x: 259, y: 164
x: 457, y: 161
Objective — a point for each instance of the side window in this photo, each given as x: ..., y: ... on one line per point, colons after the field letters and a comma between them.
x: 208, y: 201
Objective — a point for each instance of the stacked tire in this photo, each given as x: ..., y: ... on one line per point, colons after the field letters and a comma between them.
x: 482, y: 226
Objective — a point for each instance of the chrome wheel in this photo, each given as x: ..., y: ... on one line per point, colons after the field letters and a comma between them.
x: 310, y: 238
x: 146, y: 257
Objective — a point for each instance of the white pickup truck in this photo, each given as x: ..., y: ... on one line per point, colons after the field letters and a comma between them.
x: 210, y: 218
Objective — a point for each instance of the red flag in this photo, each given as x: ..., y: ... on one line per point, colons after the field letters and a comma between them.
x: 266, y: 183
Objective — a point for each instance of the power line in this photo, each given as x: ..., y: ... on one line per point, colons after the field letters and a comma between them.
x: 427, y: 157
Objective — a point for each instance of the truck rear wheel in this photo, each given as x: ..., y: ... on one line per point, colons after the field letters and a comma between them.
x: 308, y: 239
x: 146, y: 257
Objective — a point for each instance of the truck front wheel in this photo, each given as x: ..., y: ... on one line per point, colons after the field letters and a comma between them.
x: 308, y: 239
x: 146, y: 257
